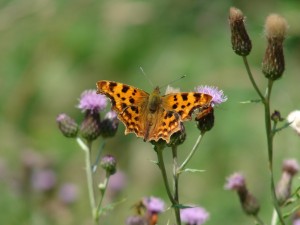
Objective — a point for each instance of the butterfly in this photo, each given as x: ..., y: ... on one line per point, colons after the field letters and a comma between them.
x: 151, y: 116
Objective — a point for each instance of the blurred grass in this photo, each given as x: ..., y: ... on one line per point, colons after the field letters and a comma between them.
x: 53, y: 50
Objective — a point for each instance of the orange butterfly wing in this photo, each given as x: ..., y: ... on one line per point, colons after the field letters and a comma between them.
x: 129, y: 103
x: 184, y: 103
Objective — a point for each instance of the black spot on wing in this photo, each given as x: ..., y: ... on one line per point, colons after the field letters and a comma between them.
x: 111, y: 86
x: 168, y: 114
x: 123, y: 105
x: 197, y: 97
x: 125, y: 88
x: 184, y: 96
x: 135, y: 109
x: 131, y: 100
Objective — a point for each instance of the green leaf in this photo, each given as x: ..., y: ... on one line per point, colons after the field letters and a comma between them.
x: 192, y: 170
x: 181, y: 206
x: 251, y: 101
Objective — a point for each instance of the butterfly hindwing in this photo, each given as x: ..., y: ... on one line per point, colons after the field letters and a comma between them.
x: 168, y: 124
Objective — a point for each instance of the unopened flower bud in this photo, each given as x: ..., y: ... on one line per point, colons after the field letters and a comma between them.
x: 294, y: 120
x: 248, y: 202
x: 90, y: 128
x: 296, y: 218
x: 109, y: 163
x: 205, y: 119
x: 67, y: 125
x: 276, y: 116
x: 241, y: 43
x: 178, y: 137
x: 273, y: 64
x: 136, y: 220
x: 283, y: 188
x: 109, y: 125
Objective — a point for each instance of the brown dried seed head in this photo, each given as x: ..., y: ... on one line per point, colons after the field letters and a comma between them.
x: 276, y: 27
x: 241, y: 43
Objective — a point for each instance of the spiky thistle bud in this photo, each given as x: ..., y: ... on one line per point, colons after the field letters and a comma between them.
x: 273, y: 64
x: 178, y: 137
x: 294, y: 120
x: 205, y: 119
x: 241, y: 43
x: 248, y: 202
x: 276, y: 116
x: 90, y: 128
x: 109, y: 124
x: 109, y: 163
x: 67, y: 125
x: 283, y: 189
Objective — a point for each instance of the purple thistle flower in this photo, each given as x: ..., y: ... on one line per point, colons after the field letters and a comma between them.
x: 291, y: 166
x: 194, y: 215
x: 117, y: 182
x: 136, y: 220
x: 296, y: 221
x: 44, y: 180
x: 235, y: 182
x: 218, y: 96
x: 90, y: 100
x: 108, y: 162
x: 154, y: 205
x: 68, y: 193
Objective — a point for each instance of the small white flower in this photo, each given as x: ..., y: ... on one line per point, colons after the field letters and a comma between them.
x: 294, y: 120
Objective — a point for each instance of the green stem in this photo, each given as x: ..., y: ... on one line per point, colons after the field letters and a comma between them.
x: 103, y: 190
x: 175, y: 183
x: 89, y: 177
x: 192, y: 152
x: 161, y: 165
x: 251, y: 78
x: 258, y: 220
x: 270, y: 135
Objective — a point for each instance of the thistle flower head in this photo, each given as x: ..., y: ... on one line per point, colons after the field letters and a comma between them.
x: 43, y: 180
x: 194, y: 215
x: 109, y: 125
x: 90, y: 128
x: 284, y: 186
x: 205, y: 119
x: 248, y: 202
x: 154, y: 205
x: 294, y: 120
x: 275, y: 27
x: 235, y: 182
x: 136, y: 220
x: 178, y: 137
x: 218, y: 96
x: 68, y: 193
x: 290, y: 166
x: 241, y: 43
x: 67, y: 125
x: 171, y: 89
x: 109, y: 163
x: 273, y: 64
x: 90, y: 100
x: 296, y: 218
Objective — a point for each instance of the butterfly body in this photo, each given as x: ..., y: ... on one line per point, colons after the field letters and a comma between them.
x: 151, y: 116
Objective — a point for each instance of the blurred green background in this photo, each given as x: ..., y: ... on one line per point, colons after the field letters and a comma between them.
x: 52, y: 50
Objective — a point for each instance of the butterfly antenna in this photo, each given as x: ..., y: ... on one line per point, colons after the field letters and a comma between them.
x: 146, y: 76
x: 183, y: 76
